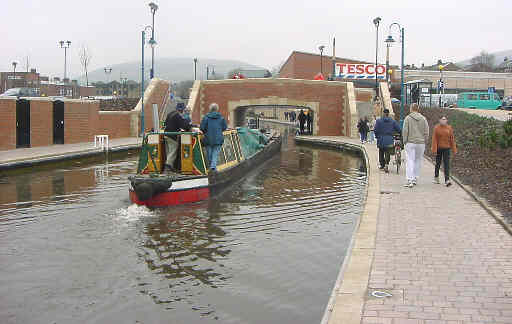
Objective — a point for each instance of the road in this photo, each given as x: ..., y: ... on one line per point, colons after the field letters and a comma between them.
x: 502, y: 115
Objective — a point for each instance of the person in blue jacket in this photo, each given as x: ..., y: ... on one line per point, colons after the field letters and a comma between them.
x: 384, y: 129
x: 212, y: 125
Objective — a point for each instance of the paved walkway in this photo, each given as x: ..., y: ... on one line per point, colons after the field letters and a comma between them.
x: 435, y: 250
x: 24, y: 156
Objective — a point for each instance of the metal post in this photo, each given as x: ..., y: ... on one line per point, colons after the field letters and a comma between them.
x: 142, y: 88
x: 195, y: 69
x: 402, y: 94
x: 14, y: 77
x: 152, y: 48
x: 387, y: 62
x: 376, y: 61
x: 207, y: 72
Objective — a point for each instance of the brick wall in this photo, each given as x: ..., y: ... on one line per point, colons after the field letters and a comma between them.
x: 330, y: 96
x: 114, y: 124
x: 364, y: 95
x: 80, y: 121
x: 8, y: 124
x: 41, y: 123
x: 306, y: 65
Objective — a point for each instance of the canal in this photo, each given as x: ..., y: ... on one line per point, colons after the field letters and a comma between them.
x: 75, y: 250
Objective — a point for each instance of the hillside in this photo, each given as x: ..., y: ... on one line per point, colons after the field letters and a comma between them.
x: 176, y: 69
x: 498, y: 58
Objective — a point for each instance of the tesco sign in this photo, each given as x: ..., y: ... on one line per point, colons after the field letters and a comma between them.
x: 360, y: 71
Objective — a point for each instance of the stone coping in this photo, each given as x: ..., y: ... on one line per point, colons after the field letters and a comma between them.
x: 348, y: 296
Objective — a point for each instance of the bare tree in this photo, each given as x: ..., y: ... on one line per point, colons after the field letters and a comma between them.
x: 85, y: 59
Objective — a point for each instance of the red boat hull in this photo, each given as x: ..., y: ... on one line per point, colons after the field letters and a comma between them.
x: 171, y: 198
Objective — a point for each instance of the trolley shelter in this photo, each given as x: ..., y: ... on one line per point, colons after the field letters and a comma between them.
x: 418, y: 91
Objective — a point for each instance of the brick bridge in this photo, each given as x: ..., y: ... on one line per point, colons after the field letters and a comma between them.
x: 333, y: 103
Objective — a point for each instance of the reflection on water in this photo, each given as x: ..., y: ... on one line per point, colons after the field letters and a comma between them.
x: 267, y: 250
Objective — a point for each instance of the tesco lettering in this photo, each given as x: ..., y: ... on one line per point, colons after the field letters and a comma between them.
x: 360, y: 71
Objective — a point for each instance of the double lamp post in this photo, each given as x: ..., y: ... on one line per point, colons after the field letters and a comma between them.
x: 152, y: 43
x: 389, y: 42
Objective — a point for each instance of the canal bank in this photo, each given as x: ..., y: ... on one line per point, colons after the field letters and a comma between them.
x: 432, y: 253
x: 26, y: 157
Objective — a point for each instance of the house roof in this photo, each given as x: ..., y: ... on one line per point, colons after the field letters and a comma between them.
x: 318, y: 55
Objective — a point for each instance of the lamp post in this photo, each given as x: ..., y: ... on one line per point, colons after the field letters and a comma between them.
x: 321, y: 48
x: 376, y: 22
x: 441, y: 85
x: 389, y: 42
x: 152, y: 42
x: 14, y: 77
x: 195, y: 68
x: 402, y: 93
x: 154, y: 7
x: 107, y: 72
x: 207, y: 72
x: 65, y: 45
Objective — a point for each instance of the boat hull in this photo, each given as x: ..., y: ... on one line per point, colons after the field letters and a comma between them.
x: 195, y: 189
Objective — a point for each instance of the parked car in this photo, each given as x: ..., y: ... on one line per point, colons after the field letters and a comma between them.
x: 479, y: 100
x: 20, y: 92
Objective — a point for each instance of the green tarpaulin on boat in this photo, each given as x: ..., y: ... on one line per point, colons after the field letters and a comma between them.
x: 251, y: 141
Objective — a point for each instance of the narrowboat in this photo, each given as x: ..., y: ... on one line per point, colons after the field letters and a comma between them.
x: 154, y: 185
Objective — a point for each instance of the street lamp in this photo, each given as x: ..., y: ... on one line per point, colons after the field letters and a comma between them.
x: 376, y: 22
x: 107, y: 72
x: 321, y: 48
x: 402, y: 93
x: 152, y: 43
x: 389, y: 42
x: 65, y: 45
x: 441, y: 85
x: 14, y: 77
x: 195, y: 68
x: 154, y: 7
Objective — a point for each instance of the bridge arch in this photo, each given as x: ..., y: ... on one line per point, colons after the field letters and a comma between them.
x: 333, y: 103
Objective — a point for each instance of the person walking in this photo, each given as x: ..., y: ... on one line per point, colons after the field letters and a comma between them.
x: 372, y: 129
x: 174, y: 122
x: 384, y: 129
x: 443, y: 142
x: 362, y: 127
x: 302, y: 119
x: 212, y: 125
x: 415, y: 134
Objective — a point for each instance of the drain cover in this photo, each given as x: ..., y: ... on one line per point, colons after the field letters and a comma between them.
x: 381, y: 294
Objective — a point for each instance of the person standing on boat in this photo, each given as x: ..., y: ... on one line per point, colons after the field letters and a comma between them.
x: 174, y: 123
x: 212, y: 125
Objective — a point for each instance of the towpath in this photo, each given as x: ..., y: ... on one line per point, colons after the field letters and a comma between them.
x: 436, y: 255
x: 34, y: 155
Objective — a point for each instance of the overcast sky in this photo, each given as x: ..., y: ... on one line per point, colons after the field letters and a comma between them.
x: 260, y: 32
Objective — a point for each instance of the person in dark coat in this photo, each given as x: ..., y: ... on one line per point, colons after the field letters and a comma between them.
x: 362, y: 127
x: 385, y: 127
x: 174, y: 123
x: 302, y: 119
x: 212, y: 125
x: 309, y: 122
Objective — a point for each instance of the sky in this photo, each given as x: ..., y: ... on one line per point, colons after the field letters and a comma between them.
x: 261, y: 32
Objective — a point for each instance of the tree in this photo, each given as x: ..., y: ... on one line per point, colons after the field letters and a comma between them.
x: 183, y: 89
x: 85, y: 59
x: 484, y: 62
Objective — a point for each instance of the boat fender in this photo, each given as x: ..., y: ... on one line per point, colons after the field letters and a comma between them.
x: 149, y: 187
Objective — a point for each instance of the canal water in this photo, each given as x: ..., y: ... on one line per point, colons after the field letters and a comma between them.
x: 75, y: 250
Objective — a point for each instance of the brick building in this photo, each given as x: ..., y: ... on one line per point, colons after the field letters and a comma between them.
x: 43, y: 85
x: 301, y: 65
